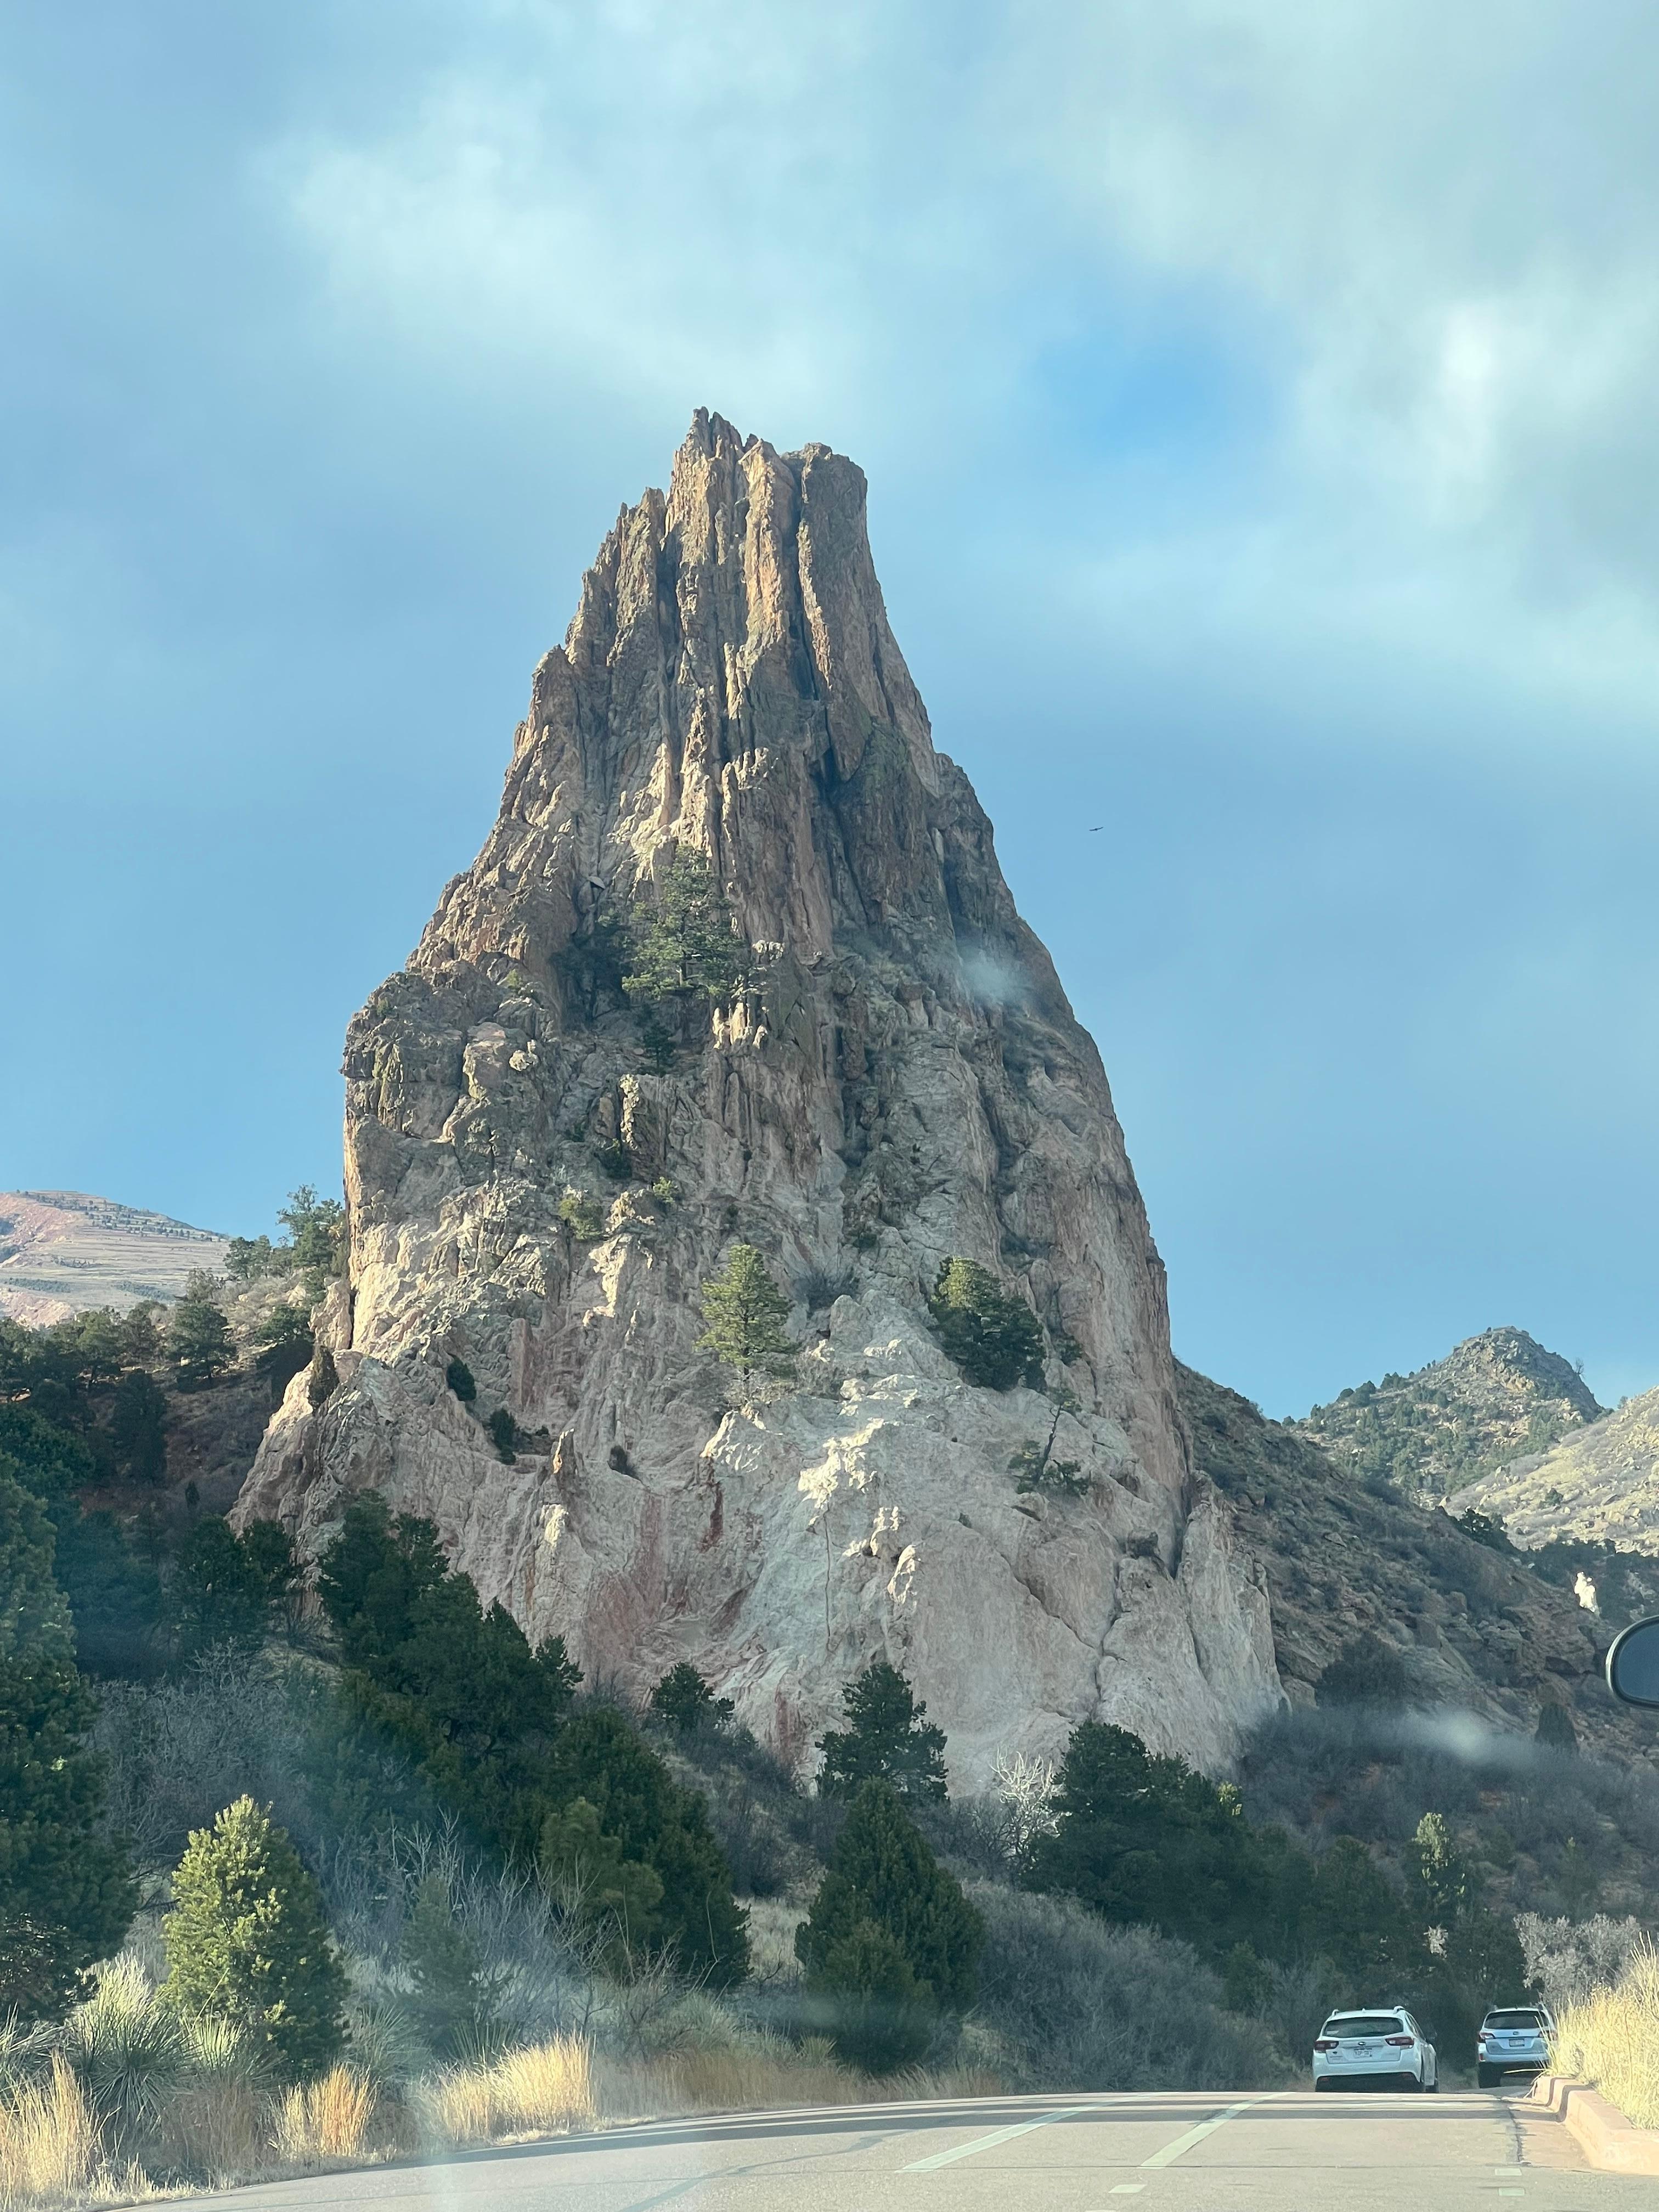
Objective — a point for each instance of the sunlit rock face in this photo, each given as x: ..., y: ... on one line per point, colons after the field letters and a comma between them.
x: 902, y: 1079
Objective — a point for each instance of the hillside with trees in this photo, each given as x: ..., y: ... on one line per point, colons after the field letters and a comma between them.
x: 1491, y: 1399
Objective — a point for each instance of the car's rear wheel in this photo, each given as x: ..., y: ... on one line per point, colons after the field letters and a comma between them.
x: 1488, y: 2076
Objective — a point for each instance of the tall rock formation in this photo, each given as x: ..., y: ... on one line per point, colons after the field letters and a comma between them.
x: 540, y: 1177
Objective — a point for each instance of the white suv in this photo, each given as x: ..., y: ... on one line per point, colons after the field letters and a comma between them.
x: 1374, y: 2050
x: 1513, y: 2038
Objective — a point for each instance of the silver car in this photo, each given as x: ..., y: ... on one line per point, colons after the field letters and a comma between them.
x: 1513, y: 2040
x: 1381, y: 2049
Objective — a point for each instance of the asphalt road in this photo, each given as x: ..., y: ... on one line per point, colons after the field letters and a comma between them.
x: 1173, y: 2151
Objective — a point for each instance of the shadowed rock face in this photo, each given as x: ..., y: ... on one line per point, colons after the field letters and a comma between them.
x: 902, y: 1079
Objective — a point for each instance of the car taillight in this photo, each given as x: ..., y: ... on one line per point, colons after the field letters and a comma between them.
x: 1480, y: 2039
x: 1399, y: 2042
x: 1324, y: 2042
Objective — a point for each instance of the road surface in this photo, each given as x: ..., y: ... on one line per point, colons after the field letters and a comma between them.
x: 1288, y: 2151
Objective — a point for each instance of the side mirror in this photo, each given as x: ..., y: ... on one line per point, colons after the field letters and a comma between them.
x: 1633, y: 1663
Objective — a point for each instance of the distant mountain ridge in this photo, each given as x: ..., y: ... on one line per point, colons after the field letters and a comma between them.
x: 1492, y: 1398
x: 1598, y: 1484
x: 64, y: 1251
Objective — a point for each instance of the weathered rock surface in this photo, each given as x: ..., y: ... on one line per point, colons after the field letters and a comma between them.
x: 901, y: 1081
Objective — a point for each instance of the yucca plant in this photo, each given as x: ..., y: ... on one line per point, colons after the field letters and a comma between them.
x: 129, y: 2054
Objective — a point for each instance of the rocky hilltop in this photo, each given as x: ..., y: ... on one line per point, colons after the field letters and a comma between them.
x: 63, y: 1252
x: 1493, y: 1397
x: 542, y: 1170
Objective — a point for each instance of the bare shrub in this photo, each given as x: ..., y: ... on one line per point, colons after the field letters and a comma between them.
x: 1076, y: 2004
x: 1568, y: 1960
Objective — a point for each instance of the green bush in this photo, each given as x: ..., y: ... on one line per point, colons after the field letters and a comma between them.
x: 316, y: 1229
x: 454, y: 2000
x: 993, y: 1337
x: 581, y: 1215
x: 891, y: 1942
x: 218, y: 1594
x: 658, y: 1825
x: 247, y: 1943
x: 888, y: 1738
x: 503, y: 1433
x: 458, y: 1375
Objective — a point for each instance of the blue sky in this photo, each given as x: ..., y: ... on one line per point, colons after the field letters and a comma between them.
x: 1257, y: 404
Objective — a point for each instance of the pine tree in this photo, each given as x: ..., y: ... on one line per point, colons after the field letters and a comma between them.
x: 247, y: 1943
x: 685, y: 1701
x: 890, y: 1941
x: 137, y: 1427
x: 218, y: 1594
x: 1141, y: 1838
x: 66, y: 1893
x: 690, y: 946
x: 993, y: 1337
x: 455, y: 1999
x: 745, y: 1311
x: 661, y: 1826
x: 198, y: 1336
x: 888, y: 1738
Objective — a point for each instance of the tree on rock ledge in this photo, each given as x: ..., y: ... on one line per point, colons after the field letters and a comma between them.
x: 744, y: 1312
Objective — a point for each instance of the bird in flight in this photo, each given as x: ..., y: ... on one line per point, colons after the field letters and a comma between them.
x: 1098, y: 827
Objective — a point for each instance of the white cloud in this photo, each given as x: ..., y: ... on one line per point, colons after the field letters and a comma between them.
x: 1424, y: 232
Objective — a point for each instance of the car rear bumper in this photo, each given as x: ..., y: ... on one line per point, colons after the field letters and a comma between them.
x: 1373, y: 2077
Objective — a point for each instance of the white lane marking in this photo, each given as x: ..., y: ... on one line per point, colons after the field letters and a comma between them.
x: 1127, y: 2188
x: 1182, y: 2144
x: 989, y: 2142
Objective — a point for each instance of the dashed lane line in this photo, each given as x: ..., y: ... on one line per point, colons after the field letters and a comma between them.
x: 989, y: 2142
x: 1182, y: 2144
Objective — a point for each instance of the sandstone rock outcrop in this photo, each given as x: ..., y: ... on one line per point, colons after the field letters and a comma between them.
x: 538, y: 1184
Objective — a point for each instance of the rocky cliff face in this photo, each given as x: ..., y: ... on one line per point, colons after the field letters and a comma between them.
x: 538, y: 1184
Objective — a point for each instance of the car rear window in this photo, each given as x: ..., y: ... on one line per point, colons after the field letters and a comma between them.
x: 1513, y: 2019
x: 1350, y: 2024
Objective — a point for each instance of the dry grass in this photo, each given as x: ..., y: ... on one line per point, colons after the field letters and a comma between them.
x: 740, y: 2078
x: 327, y: 2120
x: 1611, y: 2040
x: 537, y: 2090
x: 50, y: 2152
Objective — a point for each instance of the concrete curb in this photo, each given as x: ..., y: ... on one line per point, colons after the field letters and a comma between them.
x: 1600, y: 2130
